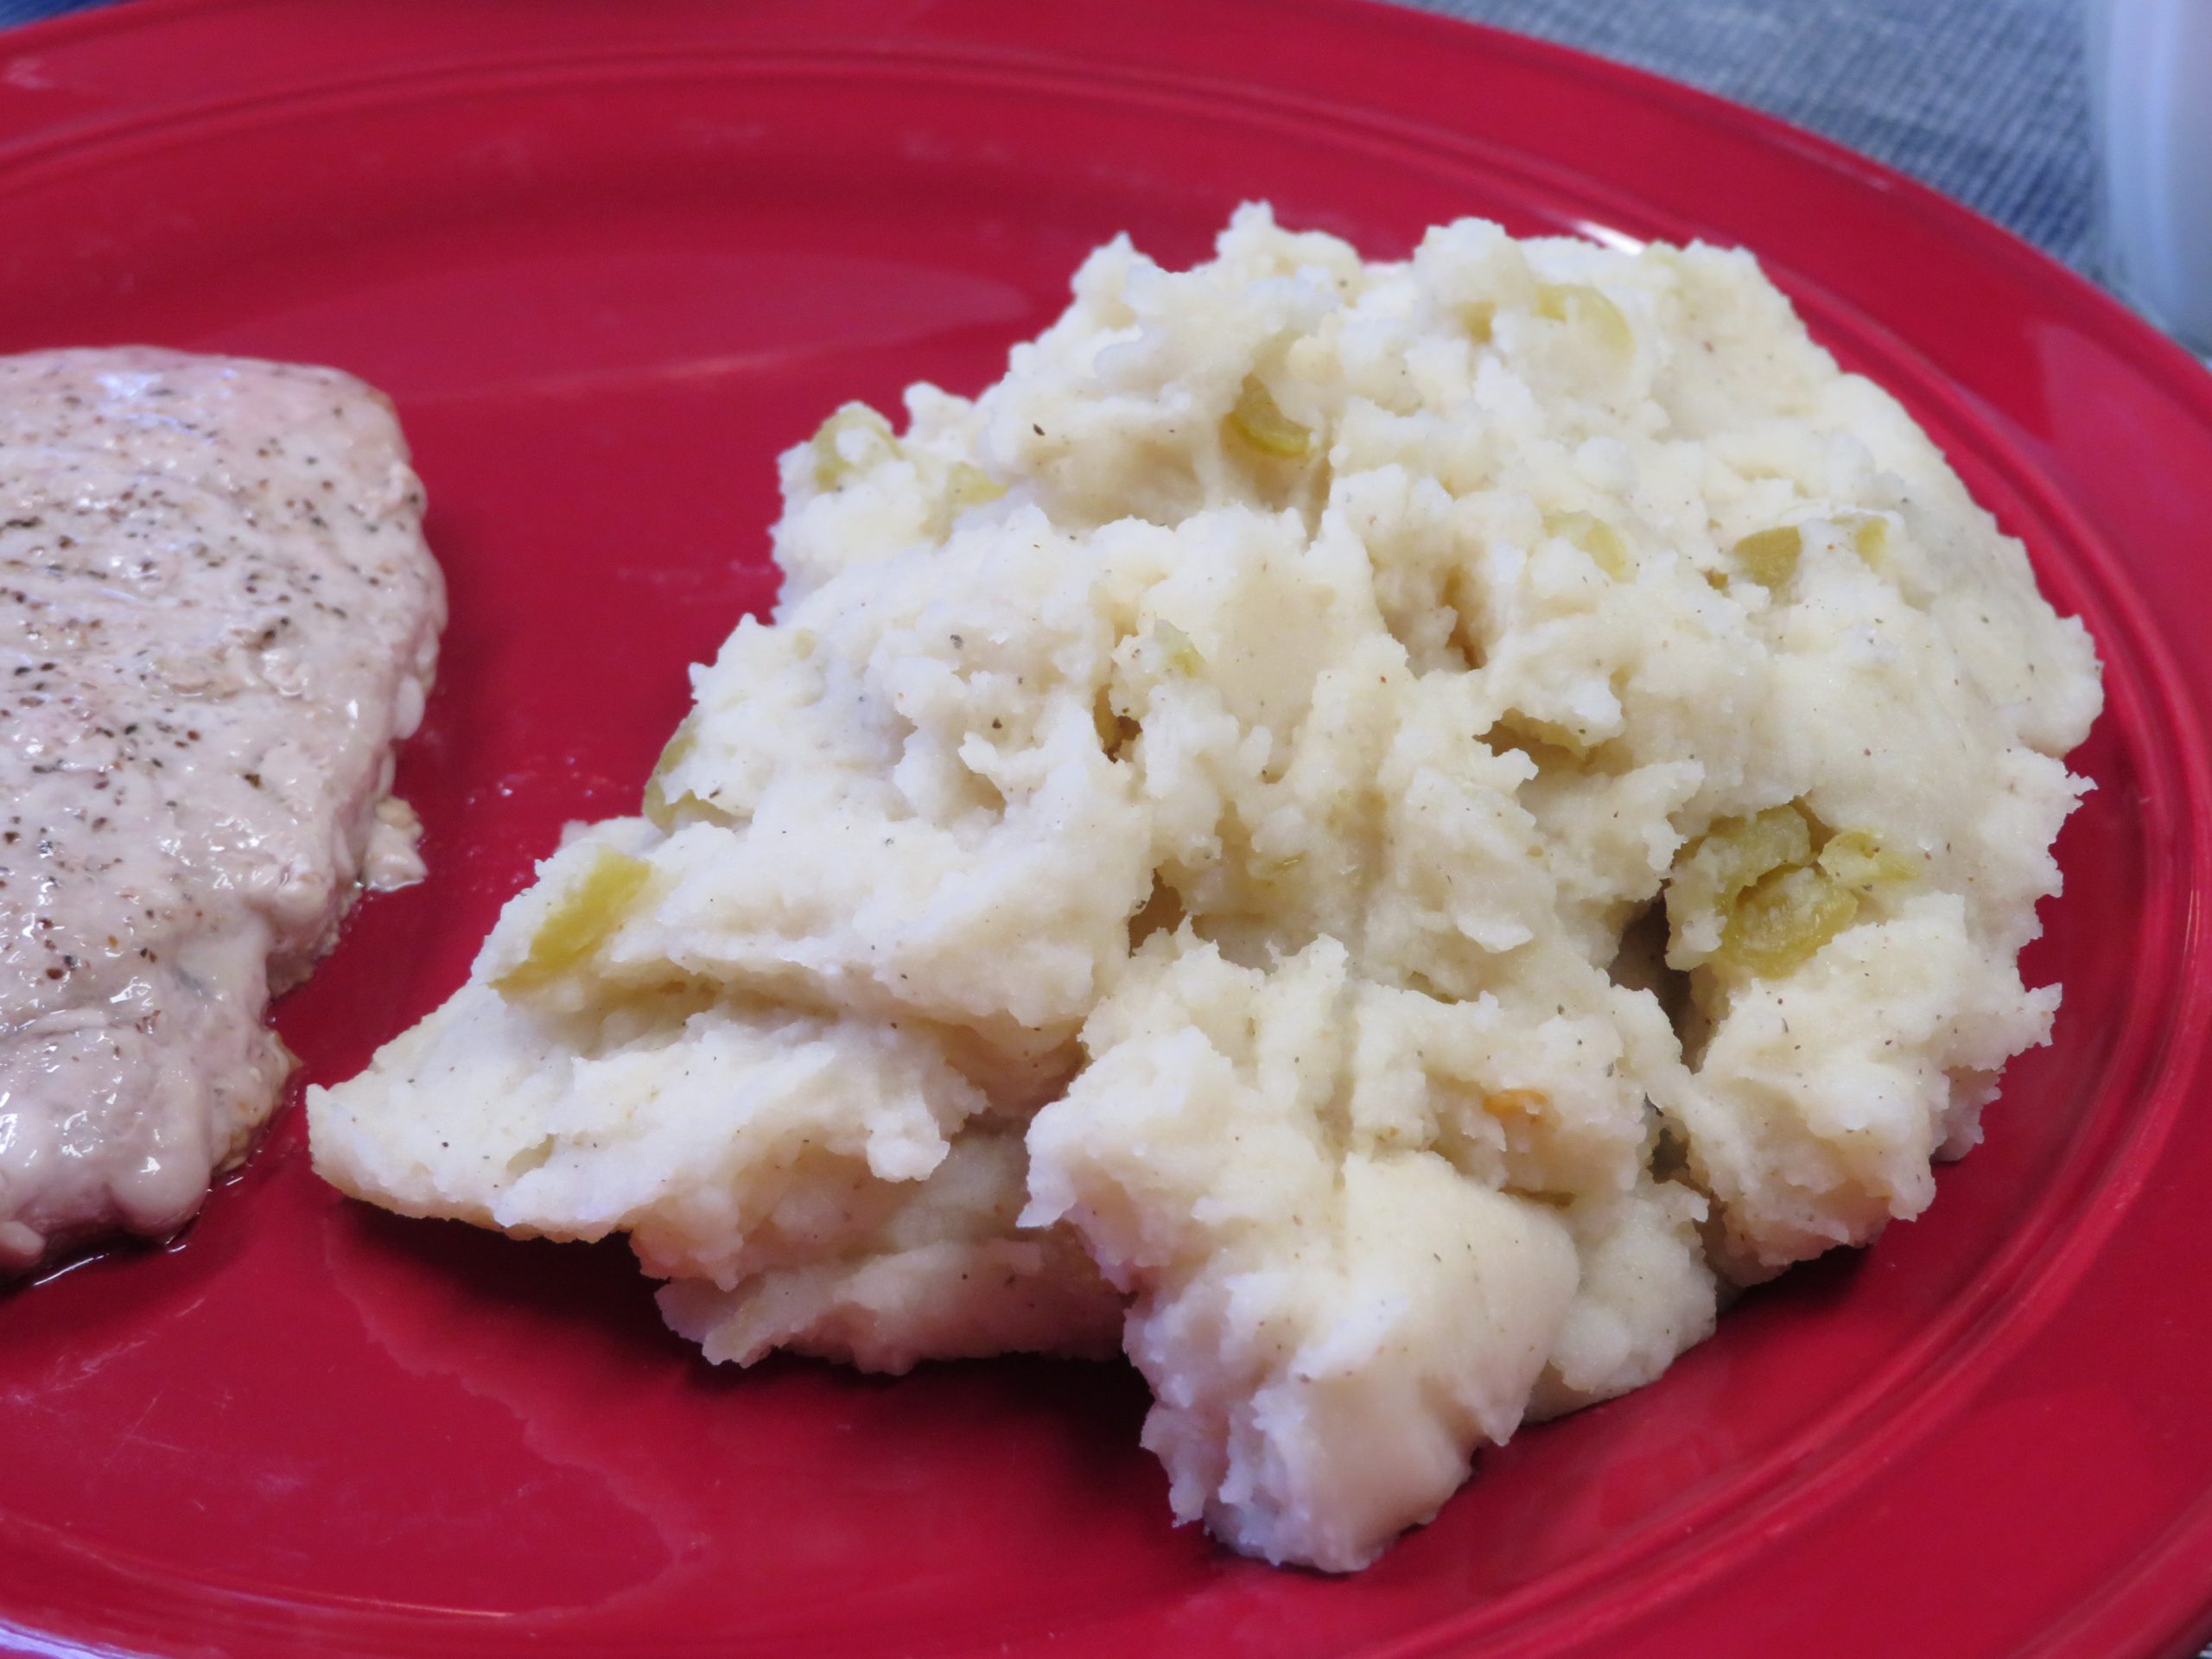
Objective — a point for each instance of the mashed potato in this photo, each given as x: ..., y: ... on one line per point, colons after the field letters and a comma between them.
x: 1375, y: 833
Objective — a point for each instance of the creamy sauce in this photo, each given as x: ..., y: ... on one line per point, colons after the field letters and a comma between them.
x: 217, y: 616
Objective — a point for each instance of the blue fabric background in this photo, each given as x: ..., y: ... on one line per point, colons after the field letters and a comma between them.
x: 25, y: 12
x: 1982, y: 99
x: 1985, y: 99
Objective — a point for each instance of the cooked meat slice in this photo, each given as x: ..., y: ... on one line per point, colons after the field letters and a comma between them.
x: 217, y: 617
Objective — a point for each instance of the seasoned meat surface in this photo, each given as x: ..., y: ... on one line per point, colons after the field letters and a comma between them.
x: 217, y: 618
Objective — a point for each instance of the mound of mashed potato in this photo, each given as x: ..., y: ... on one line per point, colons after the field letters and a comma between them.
x: 1374, y: 834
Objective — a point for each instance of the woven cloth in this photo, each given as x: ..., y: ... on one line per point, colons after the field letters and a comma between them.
x: 1983, y: 99
x: 27, y: 11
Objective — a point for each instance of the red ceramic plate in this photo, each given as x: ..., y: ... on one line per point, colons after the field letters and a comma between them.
x: 609, y: 260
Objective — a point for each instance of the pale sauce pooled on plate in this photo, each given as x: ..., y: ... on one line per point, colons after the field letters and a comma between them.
x: 217, y: 617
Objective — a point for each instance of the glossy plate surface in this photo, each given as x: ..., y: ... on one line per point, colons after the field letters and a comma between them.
x: 609, y: 260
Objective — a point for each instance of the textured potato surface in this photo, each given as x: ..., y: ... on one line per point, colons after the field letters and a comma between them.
x: 1372, y: 833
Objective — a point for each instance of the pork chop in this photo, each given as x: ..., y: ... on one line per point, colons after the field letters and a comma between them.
x: 217, y: 618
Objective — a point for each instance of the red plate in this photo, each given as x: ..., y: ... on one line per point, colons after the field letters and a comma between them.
x: 609, y: 259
